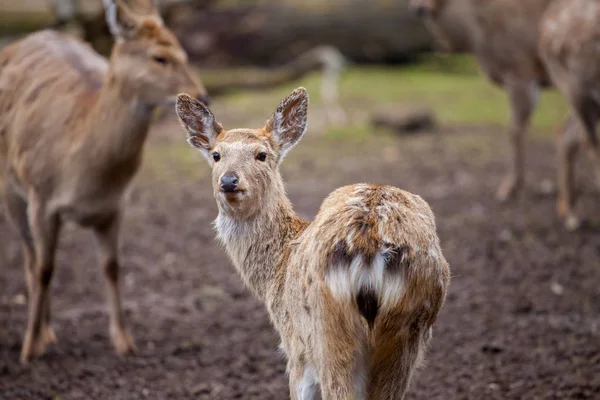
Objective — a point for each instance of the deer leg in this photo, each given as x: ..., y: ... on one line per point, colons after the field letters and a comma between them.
x: 398, y: 350
x: 45, y: 228
x: 568, y: 144
x: 16, y: 208
x: 303, y: 382
x: 522, y: 98
x: 106, y: 235
x: 343, y: 347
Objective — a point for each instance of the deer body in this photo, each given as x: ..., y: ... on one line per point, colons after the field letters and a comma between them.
x: 353, y: 294
x: 72, y: 128
x: 503, y: 35
x: 569, y: 45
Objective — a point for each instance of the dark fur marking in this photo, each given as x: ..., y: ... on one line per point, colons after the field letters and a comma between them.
x: 397, y: 259
x: 367, y: 305
x: 340, y: 255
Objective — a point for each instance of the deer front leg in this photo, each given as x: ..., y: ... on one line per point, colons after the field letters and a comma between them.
x: 522, y: 97
x: 45, y: 227
x: 106, y: 235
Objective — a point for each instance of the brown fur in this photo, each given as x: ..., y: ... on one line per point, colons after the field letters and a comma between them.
x: 353, y: 294
x: 569, y: 45
x: 72, y: 127
x: 503, y: 36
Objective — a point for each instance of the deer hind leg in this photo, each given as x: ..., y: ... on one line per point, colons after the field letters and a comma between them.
x: 16, y: 208
x: 343, y: 345
x: 44, y: 228
x: 303, y: 381
x: 398, y: 350
x: 106, y: 235
x: 522, y: 96
x: 568, y: 144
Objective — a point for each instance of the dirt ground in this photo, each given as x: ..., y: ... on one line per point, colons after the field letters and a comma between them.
x: 521, y: 321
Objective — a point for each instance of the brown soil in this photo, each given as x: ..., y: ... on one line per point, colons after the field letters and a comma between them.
x: 522, y: 319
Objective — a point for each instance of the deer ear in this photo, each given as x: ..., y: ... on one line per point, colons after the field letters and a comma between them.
x: 199, y: 122
x: 288, y: 123
x: 122, y: 21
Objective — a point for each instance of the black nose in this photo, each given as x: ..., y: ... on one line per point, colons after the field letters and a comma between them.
x: 203, y: 99
x: 229, y: 182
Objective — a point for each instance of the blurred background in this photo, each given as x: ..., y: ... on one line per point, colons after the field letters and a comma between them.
x: 379, y: 50
x: 521, y: 319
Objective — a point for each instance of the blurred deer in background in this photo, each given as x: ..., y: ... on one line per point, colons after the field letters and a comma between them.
x: 353, y: 294
x: 570, y: 47
x: 72, y: 128
x: 503, y: 36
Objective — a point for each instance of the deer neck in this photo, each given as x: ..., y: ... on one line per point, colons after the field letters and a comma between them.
x: 260, y: 245
x: 118, y: 124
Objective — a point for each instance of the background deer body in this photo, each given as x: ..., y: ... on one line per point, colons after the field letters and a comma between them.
x: 354, y: 293
x: 569, y: 45
x: 72, y: 128
x: 503, y: 36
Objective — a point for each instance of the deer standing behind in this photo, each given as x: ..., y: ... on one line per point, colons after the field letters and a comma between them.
x: 570, y: 47
x: 353, y: 294
x: 72, y: 128
x: 503, y: 36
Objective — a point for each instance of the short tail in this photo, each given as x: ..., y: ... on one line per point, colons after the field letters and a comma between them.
x: 373, y: 282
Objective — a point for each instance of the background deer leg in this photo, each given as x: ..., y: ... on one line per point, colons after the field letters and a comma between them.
x: 106, y: 235
x: 45, y: 228
x: 522, y: 98
x: 568, y: 144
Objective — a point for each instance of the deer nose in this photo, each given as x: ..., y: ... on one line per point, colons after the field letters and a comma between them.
x: 204, y: 99
x: 229, y: 182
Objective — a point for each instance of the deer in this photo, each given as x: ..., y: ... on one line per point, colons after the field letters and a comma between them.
x: 569, y: 43
x: 503, y: 36
x: 72, y: 129
x: 353, y: 294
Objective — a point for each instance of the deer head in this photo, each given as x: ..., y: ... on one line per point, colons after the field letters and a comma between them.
x: 148, y: 61
x: 245, y: 162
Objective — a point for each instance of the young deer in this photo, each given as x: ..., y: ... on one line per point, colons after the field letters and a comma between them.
x: 72, y: 128
x: 569, y: 45
x: 353, y: 294
x: 503, y: 36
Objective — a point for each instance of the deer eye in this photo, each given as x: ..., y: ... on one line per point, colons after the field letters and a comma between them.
x: 262, y: 156
x: 160, y: 60
x: 216, y: 156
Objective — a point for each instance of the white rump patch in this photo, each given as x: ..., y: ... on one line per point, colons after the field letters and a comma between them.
x: 345, y: 282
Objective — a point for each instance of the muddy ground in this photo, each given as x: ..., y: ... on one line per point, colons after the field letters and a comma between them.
x: 522, y: 319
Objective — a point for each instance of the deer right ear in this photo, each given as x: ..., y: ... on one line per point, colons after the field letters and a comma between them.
x: 199, y: 122
x: 121, y: 20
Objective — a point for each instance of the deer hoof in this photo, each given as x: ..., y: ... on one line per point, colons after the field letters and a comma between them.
x: 123, y: 343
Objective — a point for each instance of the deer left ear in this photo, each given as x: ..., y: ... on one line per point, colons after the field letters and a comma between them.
x: 288, y: 124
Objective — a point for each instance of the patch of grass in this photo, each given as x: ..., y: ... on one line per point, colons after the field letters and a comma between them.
x: 450, y: 84
x: 452, y: 87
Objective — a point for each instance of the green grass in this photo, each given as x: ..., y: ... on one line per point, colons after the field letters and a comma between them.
x: 451, y: 85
